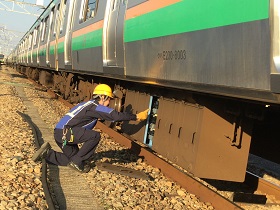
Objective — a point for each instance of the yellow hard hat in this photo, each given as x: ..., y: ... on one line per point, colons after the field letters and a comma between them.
x: 103, y: 89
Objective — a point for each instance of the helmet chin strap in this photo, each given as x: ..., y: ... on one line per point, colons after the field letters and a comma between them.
x: 106, y: 98
x: 102, y: 98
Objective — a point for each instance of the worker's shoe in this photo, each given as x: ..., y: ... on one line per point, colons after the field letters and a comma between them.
x: 82, y: 169
x: 89, y: 163
x: 42, y: 152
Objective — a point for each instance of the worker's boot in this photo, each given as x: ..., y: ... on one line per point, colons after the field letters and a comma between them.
x: 90, y: 161
x: 42, y: 152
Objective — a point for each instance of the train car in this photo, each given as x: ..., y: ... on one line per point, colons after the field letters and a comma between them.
x: 208, y: 70
x: 2, y: 58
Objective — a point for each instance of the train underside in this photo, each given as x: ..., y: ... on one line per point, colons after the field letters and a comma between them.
x: 207, y: 135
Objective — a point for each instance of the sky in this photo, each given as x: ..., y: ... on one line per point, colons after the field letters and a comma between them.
x: 13, y: 25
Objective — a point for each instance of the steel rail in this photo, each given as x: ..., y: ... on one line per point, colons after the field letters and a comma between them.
x: 262, y: 185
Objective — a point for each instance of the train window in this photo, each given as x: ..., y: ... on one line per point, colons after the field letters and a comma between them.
x: 44, y: 28
x: 35, y: 36
x: 40, y: 31
x: 56, y: 20
x: 89, y: 8
x: 51, y: 28
x: 63, y: 11
x: 30, y: 40
x: 24, y: 44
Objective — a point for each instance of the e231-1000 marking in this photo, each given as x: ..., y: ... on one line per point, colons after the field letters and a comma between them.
x: 173, y: 55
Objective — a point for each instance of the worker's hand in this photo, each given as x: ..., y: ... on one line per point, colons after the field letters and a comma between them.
x: 142, y: 115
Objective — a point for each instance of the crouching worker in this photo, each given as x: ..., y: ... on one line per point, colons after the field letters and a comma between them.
x: 76, y: 127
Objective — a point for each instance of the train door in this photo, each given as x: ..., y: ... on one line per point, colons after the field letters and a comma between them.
x: 32, y: 45
x: 39, y: 42
x: 113, y: 44
x: 43, y: 41
x: 35, y: 46
x: 29, y: 55
x: 25, y: 50
x: 52, y: 37
x: 58, y: 29
x: 68, y: 35
x: 50, y: 27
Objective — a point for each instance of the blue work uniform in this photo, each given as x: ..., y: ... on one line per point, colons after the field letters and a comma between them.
x: 79, y: 122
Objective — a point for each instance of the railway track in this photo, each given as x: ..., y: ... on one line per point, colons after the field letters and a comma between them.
x: 185, y: 180
x: 193, y: 185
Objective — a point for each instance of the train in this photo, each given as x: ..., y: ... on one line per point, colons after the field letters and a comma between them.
x: 208, y: 70
x: 2, y: 56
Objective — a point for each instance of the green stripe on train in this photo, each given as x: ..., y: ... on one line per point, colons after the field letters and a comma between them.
x: 51, y: 50
x: 85, y: 41
x: 60, y: 48
x: 193, y: 15
x: 42, y: 52
x: 89, y: 40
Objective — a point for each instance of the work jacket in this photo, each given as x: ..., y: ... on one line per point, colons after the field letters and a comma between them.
x: 86, y: 114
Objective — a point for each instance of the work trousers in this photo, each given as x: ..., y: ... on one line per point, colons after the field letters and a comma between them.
x: 71, y: 151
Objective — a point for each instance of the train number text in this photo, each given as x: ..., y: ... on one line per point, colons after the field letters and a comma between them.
x: 173, y: 55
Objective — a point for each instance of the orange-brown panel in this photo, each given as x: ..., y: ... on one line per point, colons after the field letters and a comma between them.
x: 88, y: 29
x: 147, y: 7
